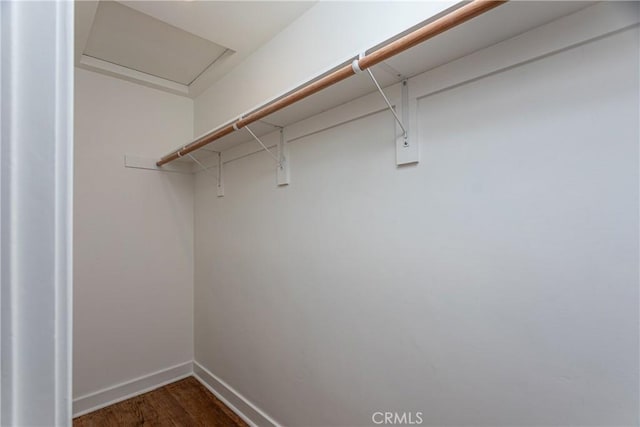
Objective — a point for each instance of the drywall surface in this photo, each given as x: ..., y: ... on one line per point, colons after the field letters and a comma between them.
x: 495, y: 283
x: 133, y: 285
x: 327, y: 34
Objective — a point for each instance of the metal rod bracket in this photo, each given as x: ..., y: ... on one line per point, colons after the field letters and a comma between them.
x: 406, y: 153
x: 393, y: 110
x: 219, y: 186
x: 355, y: 65
x: 263, y: 146
x: 407, y: 150
x: 283, y: 176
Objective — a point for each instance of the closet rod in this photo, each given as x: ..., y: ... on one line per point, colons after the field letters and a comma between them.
x: 440, y: 25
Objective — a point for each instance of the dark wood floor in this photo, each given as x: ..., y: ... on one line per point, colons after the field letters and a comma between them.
x: 183, y: 403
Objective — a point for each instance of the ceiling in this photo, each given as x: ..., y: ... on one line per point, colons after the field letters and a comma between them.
x: 179, y: 46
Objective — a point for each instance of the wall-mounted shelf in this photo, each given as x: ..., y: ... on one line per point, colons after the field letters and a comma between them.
x: 501, y: 23
x: 497, y: 25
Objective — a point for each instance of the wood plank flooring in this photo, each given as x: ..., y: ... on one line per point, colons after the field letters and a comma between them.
x: 183, y: 403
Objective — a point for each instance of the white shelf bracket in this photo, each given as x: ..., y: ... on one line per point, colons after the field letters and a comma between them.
x: 263, y: 146
x: 405, y: 136
x: 283, y: 176
x: 219, y: 186
x: 281, y: 159
x: 406, y: 151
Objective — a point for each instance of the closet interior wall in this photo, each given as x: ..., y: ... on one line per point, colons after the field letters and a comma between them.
x: 494, y: 283
x: 133, y: 242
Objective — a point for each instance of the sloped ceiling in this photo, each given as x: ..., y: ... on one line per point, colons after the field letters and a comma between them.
x: 179, y: 46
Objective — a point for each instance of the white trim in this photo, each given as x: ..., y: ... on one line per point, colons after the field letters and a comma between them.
x: 115, y: 70
x: 239, y: 404
x: 36, y: 67
x: 63, y: 240
x: 126, y: 390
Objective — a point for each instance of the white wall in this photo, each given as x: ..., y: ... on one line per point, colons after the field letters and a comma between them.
x: 495, y: 283
x: 133, y: 242
x: 341, y: 30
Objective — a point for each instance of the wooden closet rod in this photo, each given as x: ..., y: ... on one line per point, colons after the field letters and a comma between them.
x: 440, y: 25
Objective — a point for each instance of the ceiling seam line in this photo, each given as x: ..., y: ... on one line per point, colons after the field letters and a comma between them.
x: 210, y: 65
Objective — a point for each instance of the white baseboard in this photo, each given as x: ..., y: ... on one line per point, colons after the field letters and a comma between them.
x: 239, y: 404
x: 108, y: 396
